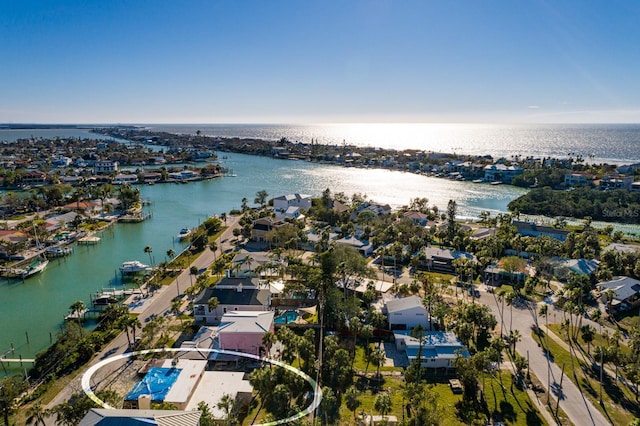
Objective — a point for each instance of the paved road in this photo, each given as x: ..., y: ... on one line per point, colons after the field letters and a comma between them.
x: 579, y: 409
x: 159, y: 305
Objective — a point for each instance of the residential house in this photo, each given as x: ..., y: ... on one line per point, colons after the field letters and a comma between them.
x: 34, y: 177
x: 437, y: 259
x: 577, y: 179
x: 531, y: 229
x: 261, y: 227
x: 105, y: 167
x: 615, y: 181
x: 244, y: 263
x: 501, y: 173
x: 184, y: 175
x: 375, y: 208
x: 620, y: 293
x: 131, y: 417
x: 622, y: 248
x: 287, y: 204
x: 363, y: 246
x: 407, y: 313
x: 439, y: 348
x: 562, y: 268
x: 242, y: 331
x: 124, y: 179
x: 418, y: 218
x: 232, y: 294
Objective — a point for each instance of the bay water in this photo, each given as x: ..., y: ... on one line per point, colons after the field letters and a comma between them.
x: 36, y: 306
x: 33, y: 310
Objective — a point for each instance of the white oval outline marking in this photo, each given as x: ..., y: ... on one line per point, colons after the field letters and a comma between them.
x: 86, y: 377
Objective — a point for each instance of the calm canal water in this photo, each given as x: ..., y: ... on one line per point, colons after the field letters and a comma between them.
x: 38, y: 305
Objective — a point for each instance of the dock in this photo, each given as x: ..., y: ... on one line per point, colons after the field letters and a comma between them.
x: 89, y: 240
x: 76, y: 315
x: 134, y: 218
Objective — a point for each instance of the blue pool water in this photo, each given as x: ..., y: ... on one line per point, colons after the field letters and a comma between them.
x: 155, y: 383
x: 287, y: 317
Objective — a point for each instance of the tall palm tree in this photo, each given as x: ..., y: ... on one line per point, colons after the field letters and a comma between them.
x: 77, y: 308
x: 149, y: 250
x: 171, y: 253
x: 212, y: 304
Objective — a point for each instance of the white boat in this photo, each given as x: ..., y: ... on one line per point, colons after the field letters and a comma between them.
x: 58, y: 251
x: 133, y: 266
x: 183, y: 234
x: 34, y: 267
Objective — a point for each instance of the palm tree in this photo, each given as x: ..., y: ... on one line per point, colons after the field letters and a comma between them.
x: 268, y: 339
x: 36, y: 415
x: 351, y: 400
x: 383, y: 404
x: 175, y: 308
x: 77, y: 308
x: 212, y: 304
x: 149, y: 250
x: 171, y: 253
x: 514, y: 337
x: 226, y: 404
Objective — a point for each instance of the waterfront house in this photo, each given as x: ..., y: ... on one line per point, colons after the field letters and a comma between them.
x: 124, y: 179
x: 242, y: 331
x: 184, y: 175
x: 34, y: 177
x: 620, y: 293
x: 232, y: 294
x: 439, y: 348
x: 615, y: 181
x: 105, y: 167
x: 501, y: 173
x: 532, y: 229
x: 284, y: 202
x: 577, y: 179
x: 407, y: 313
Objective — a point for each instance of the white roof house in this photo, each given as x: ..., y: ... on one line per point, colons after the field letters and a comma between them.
x: 284, y: 202
x: 439, y: 348
x: 407, y: 313
x: 625, y: 290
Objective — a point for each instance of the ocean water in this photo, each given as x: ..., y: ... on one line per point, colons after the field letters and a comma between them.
x: 610, y: 143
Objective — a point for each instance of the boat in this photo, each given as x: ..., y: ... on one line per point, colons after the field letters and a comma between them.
x: 183, y: 234
x: 496, y: 182
x: 58, y: 251
x: 133, y: 267
x: 37, y: 265
x: 34, y: 267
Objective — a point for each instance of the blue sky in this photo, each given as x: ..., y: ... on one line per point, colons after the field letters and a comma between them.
x: 277, y: 61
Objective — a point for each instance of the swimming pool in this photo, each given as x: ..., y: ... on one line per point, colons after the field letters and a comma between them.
x: 156, y: 383
x: 287, y: 317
